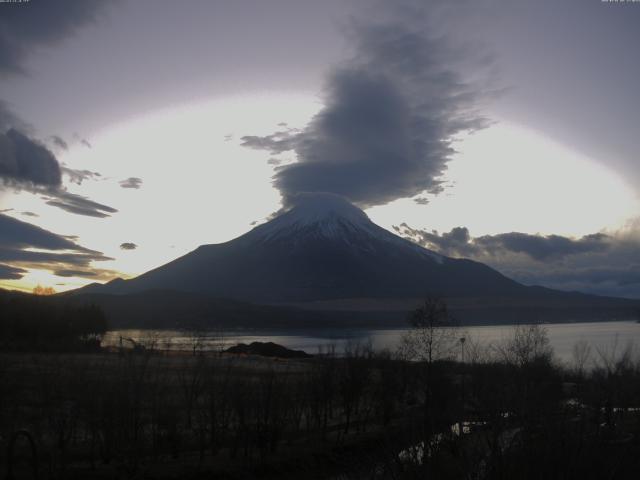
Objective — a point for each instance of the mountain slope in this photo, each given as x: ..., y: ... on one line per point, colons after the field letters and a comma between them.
x: 323, y: 248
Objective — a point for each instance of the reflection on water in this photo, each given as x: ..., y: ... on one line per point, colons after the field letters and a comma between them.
x: 602, y: 336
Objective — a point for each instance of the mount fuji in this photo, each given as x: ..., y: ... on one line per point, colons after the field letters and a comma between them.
x: 325, y: 254
x: 323, y: 248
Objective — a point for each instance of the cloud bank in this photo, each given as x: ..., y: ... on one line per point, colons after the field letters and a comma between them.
x: 7, y: 272
x: 389, y: 120
x: 73, y: 203
x: 600, y: 263
x: 459, y: 243
x: 24, y: 162
x: 24, y: 246
x: 27, y: 164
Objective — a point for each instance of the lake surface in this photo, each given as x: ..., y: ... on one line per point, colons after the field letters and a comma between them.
x: 605, y: 337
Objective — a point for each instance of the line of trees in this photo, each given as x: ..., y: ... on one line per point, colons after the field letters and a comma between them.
x: 41, y: 323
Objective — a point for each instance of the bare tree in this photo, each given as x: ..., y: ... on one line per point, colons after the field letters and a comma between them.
x: 581, y: 353
x: 432, y: 335
x: 528, y: 344
x: 431, y: 338
x: 197, y: 341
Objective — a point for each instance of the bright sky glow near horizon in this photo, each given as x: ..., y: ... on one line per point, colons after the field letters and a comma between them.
x: 205, y: 139
x: 171, y: 159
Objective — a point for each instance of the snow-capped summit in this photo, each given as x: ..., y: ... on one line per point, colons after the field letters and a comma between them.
x: 314, y: 207
x: 327, y: 214
x: 332, y: 218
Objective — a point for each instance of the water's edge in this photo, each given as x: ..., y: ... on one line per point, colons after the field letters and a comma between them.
x: 603, y: 337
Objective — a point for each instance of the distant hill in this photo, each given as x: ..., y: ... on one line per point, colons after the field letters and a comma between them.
x: 172, y: 309
x: 267, y: 349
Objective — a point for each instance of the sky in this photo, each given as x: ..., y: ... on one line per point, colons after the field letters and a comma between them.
x: 132, y: 132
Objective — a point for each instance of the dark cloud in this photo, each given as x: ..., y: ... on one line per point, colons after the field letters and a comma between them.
x: 25, y: 162
x: 544, y: 248
x: 131, y: 182
x: 16, y: 234
x: 59, y: 142
x: 456, y: 243
x: 29, y: 214
x: 275, y: 143
x: 23, y: 245
x: 75, y: 273
x: 79, y: 176
x: 27, y: 26
x: 389, y: 119
x: 95, y: 274
x: 37, y: 259
x: 459, y: 243
x: 7, y: 272
x: 421, y: 200
x: 605, y: 264
x: 72, y: 203
x: 128, y: 246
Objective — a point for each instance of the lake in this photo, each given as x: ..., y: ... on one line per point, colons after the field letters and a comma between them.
x: 605, y: 337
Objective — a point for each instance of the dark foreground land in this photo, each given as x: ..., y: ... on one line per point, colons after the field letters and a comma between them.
x: 510, y: 413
